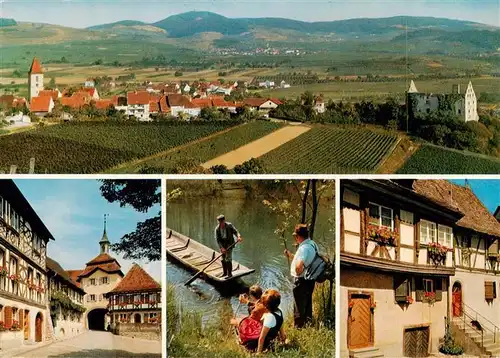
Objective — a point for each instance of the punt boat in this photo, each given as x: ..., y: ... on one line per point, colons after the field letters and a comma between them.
x: 195, y: 256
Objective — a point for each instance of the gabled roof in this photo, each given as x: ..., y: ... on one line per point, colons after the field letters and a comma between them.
x: 178, y: 100
x: 102, y: 262
x: 104, y: 103
x: 40, y: 104
x: 73, y: 101
x: 138, y: 98
x: 476, y: 217
x: 36, y: 68
x: 254, y: 102
x: 51, y: 93
x: 136, y: 280
x: 164, y: 108
x: 90, y: 90
x: 55, y: 267
x: 73, y: 274
x: 154, y: 106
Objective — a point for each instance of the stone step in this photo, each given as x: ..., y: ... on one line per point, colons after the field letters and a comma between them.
x: 370, y: 352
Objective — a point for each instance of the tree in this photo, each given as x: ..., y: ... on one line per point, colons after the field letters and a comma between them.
x: 142, y: 195
x: 252, y: 166
x: 52, y: 83
x: 220, y: 169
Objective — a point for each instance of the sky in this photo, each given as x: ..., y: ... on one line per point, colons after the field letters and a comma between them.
x: 73, y: 211
x: 488, y: 191
x: 84, y: 13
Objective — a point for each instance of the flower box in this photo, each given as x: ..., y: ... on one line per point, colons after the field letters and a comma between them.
x: 15, y: 326
x: 437, y: 253
x: 382, y: 235
x: 429, y: 297
x: 409, y: 300
x: 15, y: 278
x: 3, y: 271
x: 2, y: 327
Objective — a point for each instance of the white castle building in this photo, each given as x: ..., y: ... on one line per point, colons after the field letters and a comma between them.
x: 464, y: 106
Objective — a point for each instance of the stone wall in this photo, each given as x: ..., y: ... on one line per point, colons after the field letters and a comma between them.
x: 149, y: 331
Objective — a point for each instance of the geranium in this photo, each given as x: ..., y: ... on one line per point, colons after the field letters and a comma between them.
x: 429, y: 297
x: 351, y: 304
x: 373, y: 305
x: 15, y: 326
x: 382, y: 235
x: 15, y: 278
x: 2, y: 326
x: 40, y: 289
x: 409, y: 299
x: 437, y: 252
x: 137, y: 303
x: 3, y: 271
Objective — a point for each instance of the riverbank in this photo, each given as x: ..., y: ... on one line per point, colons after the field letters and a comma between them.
x: 188, y: 337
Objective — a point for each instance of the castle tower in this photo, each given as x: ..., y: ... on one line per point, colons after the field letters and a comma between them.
x: 35, y: 79
x: 413, y: 88
x: 104, y: 243
x: 470, y: 104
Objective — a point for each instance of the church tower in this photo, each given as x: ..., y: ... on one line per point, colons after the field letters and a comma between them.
x: 35, y: 79
x: 104, y: 243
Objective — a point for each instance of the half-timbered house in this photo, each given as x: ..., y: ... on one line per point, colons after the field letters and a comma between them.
x: 396, y: 255
x: 24, y: 314
x: 65, y: 300
x: 136, y: 299
x: 475, y: 286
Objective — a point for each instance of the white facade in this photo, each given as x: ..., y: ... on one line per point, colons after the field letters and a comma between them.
x: 35, y: 84
x: 139, y: 111
x: 18, y: 118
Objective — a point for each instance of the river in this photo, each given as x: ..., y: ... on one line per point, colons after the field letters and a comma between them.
x: 261, y: 249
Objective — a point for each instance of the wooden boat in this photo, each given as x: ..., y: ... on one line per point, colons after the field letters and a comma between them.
x: 195, y: 256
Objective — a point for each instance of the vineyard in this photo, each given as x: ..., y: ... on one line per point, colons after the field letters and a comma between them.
x: 194, y: 155
x: 328, y: 150
x: 431, y: 159
x: 92, y: 147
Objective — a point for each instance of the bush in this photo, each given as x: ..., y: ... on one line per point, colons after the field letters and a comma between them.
x: 219, y: 169
x: 449, y: 346
x: 252, y: 166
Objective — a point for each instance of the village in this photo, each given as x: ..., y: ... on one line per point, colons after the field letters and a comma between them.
x: 43, y: 304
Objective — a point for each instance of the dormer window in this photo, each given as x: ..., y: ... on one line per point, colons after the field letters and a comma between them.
x: 381, y: 216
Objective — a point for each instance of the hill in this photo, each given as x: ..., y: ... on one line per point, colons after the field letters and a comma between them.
x: 116, y: 24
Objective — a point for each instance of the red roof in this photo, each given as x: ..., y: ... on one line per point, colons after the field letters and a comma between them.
x: 104, y: 103
x: 254, y: 102
x: 73, y: 275
x: 276, y: 101
x: 102, y: 262
x: 221, y: 102
x: 36, y: 68
x: 154, y: 106
x: 137, y: 280
x: 90, y: 90
x: 40, y: 104
x: 141, y: 98
x: 52, y: 93
x: 164, y: 108
x: 73, y: 102
x: 178, y: 100
x: 202, y: 102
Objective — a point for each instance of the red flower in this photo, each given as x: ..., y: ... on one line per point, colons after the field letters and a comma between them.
x: 409, y: 299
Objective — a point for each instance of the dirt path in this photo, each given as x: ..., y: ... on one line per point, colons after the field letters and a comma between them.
x: 399, y: 155
x: 258, y: 147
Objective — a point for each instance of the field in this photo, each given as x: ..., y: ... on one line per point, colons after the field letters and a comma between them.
x: 190, y: 156
x: 330, y: 150
x: 90, y: 147
x: 382, y: 90
x: 430, y: 159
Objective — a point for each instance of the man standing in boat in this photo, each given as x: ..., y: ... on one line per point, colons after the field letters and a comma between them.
x: 225, y: 233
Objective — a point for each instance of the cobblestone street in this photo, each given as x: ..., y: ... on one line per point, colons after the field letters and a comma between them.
x: 97, y: 344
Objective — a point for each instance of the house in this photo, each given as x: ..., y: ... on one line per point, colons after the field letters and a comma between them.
x: 180, y: 104
x: 9, y: 102
x: 464, y: 105
x: 396, y: 269
x: 319, y: 105
x: 67, y: 318
x: 262, y: 104
x: 99, y: 277
x: 135, y: 304
x: 283, y: 84
x: 476, y: 251
x: 94, y: 94
x: 18, y: 118
x: 138, y: 105
x: 89, y: 83
x: 104, y: 104
x: 35, y: 79
x: 186, y: 88
x: 24, y: 312
x: 41, y: 106
x: 74, y: 102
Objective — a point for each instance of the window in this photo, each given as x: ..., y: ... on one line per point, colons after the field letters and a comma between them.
x: 428, y: 285
x: 490, y: 290
x: 92, y: 298
x: 100, y: 297
x: 427, y: 232
x: 402, y: 289
x: 14, y: 220
x: 5, y: 210
x: 104, y: 280
x: 407, y: 217
x: 39, y: 284
x: 13, y: 271
x: 445, y: 235
x: 30, y: 282
x: 92, y: 281
x: 381, y: 216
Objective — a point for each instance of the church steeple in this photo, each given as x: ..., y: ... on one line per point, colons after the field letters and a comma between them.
x: 104, y: 243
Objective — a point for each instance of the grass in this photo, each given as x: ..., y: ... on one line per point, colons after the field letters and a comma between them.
x: 187, y: 338
x: 430, y: 159
x: 329, y: 150
x: 191, y: 156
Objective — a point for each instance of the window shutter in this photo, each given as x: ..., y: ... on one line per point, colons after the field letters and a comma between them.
x: 488, y: 290
x: 21, y: 318
x: 7, y: 311
x: 438, y: 289
x: 419, y: 289
x: 400, y: 289
x: 494, y: 289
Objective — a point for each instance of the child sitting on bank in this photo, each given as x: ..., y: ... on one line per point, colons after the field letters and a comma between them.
x: 251, y: 300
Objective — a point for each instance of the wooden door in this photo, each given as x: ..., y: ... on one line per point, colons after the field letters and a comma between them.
x: 38, y: 327
x: 360, y: 329
x: 26, y: 325
x: 457, y: 301
x: 416, y: 342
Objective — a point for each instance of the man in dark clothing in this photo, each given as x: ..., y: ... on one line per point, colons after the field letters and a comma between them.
x: 303, y: 289
x: 225, y: 232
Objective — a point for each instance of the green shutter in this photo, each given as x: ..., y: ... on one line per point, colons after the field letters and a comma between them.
x: 419, y: 288
x: 438, y: 288
x: 400, y: 289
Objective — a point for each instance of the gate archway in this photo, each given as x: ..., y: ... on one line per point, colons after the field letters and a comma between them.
x: 96, y: 319
x: 39, y: 327
x: 456, y: 300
